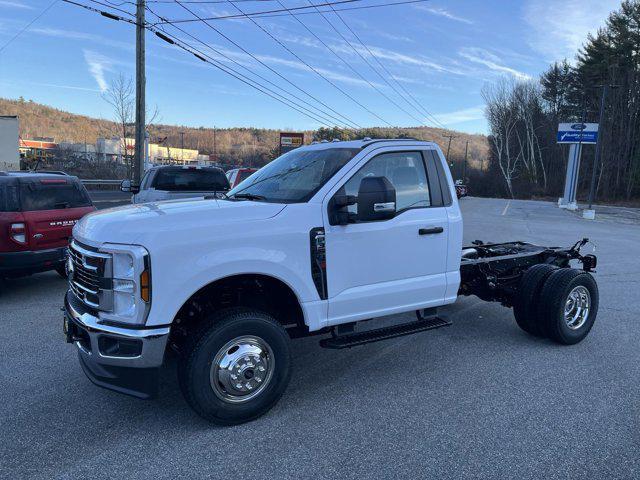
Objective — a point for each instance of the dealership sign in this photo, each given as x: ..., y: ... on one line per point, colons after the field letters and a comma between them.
x: 290, y: 141
x: 578, y: 133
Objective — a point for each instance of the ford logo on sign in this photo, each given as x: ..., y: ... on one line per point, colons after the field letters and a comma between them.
x: 578, y: 126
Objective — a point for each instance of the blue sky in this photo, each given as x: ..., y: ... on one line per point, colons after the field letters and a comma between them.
x: 442, y: 51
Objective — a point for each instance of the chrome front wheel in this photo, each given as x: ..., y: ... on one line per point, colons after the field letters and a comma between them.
x: 242, y: 369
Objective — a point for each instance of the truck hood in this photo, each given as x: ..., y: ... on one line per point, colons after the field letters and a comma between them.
x: 142, y: 223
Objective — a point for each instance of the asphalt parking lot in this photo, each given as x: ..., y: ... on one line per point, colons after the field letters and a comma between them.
x: 479, y: 399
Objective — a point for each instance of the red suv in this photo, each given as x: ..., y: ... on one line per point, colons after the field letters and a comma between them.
x: 37, y: 213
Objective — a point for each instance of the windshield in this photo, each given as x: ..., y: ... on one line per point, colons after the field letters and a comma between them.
x: 295, y: 176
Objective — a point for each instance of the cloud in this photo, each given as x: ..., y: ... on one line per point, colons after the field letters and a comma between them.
x: 98, y: 64
x: 11, y: 4
x: 67, y: 87
x: 330, y: 74
x: 441, y: 12
x: 73, y: 35
x: 461, y: 116
x: 558, y: 30
x: 487, y: 59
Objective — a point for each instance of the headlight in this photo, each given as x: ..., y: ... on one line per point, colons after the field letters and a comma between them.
x: 131, y: 287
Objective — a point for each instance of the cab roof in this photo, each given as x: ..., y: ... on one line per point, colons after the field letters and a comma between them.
x: 24, y: 176
x: 366, y: 142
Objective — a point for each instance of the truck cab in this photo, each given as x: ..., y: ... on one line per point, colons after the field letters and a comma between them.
x: 321, y: 239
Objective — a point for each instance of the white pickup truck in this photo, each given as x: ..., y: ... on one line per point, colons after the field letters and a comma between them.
x: 319, y: 241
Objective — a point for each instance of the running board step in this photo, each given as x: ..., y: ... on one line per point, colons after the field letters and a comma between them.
x: 360, y: 338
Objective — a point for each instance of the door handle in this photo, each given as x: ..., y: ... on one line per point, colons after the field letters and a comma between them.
x: 430, y: 231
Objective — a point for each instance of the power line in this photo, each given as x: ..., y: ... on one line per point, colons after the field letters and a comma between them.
x: 304, y: 62
x: 365, y: 60
x: 338, y: 2
x: 349, y: 123
x: 425, y: 111
x: 345, y: 9
x: 204, y: 58
x: 20, y: 32
x: 340, y: 58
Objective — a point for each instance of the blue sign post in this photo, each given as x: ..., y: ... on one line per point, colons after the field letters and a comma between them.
x: 578, y: 133
x: 575, y: 134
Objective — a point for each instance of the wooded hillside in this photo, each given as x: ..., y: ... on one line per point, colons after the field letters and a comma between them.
x: 234, y: 146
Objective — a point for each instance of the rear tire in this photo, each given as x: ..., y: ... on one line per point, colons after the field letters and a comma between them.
x: 237, y: 368
x: 569, y: 305
x: 526, y: 304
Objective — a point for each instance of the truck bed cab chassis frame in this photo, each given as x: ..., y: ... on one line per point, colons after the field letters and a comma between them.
x: 492, y: 271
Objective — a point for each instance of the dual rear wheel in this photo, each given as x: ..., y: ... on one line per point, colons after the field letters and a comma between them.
x: 558, y: 303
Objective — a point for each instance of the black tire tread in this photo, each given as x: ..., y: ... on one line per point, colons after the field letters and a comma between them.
x: 552, y: 301
x: 527, y: 301
x: 195, y: 341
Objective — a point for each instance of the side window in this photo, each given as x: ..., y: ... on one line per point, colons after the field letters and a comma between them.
x: 146, y: 180
x: 405, y: 170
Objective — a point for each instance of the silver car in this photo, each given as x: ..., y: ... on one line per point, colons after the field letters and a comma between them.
x: 174, y: 182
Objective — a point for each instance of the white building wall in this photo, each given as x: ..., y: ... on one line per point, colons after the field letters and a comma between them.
x: 9, y: 156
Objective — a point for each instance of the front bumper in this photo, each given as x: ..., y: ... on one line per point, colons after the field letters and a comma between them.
x: 24, y: 263
x: 126, y: 360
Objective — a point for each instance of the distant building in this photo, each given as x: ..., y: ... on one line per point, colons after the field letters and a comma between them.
x: 38, y: 148
x: 9, y: 157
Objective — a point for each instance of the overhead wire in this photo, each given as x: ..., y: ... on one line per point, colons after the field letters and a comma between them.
x: 342, y: 120
x: 23, y: 29
x: 223, y: 17
x: 300, y: 59
x: 349, y: 65
x: 416, y: 102
x: 204, y: 57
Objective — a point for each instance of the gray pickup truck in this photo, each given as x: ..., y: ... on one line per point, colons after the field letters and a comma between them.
x: 176, y: 182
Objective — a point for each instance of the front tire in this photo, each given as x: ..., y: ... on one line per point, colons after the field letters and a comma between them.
x: 569, y: 305
x: 238, y: 368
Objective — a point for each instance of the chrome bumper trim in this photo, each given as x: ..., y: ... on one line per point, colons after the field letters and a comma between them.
x: 154, y: 341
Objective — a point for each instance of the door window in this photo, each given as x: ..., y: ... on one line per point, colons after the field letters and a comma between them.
x: 405, y: 171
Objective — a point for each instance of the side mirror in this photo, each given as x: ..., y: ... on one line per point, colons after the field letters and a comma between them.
x: 339, y: 215
x: 376, y: 199
x: 128, y: 187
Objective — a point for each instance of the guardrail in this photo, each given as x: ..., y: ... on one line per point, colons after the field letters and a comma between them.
x: 101, y: 182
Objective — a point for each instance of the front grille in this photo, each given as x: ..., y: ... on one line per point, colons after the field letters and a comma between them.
x: 88, y: 274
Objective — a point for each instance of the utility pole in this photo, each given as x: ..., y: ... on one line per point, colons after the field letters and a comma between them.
x: 596, y: 157
x: 215, y: 155
x: 182, y: 146
x: 464, y: 165
x: 138, y: 167
x: 450, y: 137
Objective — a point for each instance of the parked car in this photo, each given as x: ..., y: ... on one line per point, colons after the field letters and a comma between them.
x: 37, y: 214
x: 176, y: 182
x: 461, y: 189
x: 237, y: 175
x: 321, y: 239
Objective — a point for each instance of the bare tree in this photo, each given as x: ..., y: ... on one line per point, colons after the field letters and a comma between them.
x: 121, y: 96
x: 502, y: 119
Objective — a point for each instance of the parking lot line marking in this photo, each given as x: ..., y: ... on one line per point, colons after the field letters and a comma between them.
x: 506, y: 208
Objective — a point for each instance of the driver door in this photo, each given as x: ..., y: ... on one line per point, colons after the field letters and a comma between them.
x: 380, y: 267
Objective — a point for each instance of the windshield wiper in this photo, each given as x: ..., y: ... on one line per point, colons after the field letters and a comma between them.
x: 249, y: 196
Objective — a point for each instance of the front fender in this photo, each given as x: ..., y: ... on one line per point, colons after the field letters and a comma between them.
x: 169, y: 297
